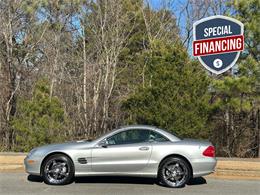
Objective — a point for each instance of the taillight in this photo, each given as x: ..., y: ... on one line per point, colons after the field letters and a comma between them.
x: 210, y: 151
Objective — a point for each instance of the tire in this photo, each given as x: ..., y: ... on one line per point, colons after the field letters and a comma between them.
x: 57, y: 169
x: 174, y: 172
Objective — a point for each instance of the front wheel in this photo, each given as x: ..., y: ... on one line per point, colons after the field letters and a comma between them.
x: 57, y: 169
x: 174, y: 172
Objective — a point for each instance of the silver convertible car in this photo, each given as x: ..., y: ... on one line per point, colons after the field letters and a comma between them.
x: 138, y: 150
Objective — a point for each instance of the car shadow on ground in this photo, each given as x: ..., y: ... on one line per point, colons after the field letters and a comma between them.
x: 126, y: 180
x: 34, y: 178
x: 132, y: 180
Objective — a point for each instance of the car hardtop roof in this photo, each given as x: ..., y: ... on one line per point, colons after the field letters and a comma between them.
x: 149, y: 127
x: 163, y: 131
x: 138, y: 126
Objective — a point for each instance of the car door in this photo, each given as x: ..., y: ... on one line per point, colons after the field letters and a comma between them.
x: 126, y: 151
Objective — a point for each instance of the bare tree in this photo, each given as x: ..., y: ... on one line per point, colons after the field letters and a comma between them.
x: 18, y: 47
x: 104, y: 35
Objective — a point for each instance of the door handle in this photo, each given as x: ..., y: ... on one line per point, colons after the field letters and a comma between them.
x: 144, y: 148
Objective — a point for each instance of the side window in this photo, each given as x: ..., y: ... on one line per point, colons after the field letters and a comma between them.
x: 129, y: 137
x: 157, y: 137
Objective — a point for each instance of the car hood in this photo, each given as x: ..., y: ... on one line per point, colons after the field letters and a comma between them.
x: 72, y: 145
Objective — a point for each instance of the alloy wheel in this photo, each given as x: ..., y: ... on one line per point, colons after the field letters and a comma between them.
x: 57, y: 170
x: 175, y: 173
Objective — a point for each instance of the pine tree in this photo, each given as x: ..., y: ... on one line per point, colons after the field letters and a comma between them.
x: 39, y: 120
x: 174, y: 96
x: 235, y: 116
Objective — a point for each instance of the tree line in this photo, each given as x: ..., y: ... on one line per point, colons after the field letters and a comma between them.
x: 77, y: 69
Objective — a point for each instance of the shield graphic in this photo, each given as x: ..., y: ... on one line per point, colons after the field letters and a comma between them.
x: 218, y: 41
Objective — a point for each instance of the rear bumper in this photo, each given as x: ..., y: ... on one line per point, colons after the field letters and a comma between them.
x: 203, y: 166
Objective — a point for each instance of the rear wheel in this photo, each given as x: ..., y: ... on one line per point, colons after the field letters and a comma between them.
x: 174, y: 172
x: 57, y: 169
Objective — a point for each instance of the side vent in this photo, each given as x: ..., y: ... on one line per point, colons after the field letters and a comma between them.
x: 82, y: 160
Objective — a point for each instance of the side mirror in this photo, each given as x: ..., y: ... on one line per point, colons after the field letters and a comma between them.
x: 103, y: 143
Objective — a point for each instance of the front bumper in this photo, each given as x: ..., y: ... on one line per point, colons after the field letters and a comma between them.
x: 32, y: 165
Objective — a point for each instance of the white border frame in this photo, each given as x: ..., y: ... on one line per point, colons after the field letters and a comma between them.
x: 194, y: 39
